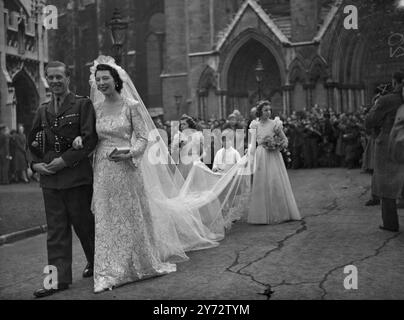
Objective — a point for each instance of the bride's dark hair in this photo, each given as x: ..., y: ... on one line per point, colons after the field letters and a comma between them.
x: 114, y: 74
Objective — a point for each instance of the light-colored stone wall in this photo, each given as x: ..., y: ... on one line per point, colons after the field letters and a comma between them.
x: 175, y: 76
x: 12, y: 59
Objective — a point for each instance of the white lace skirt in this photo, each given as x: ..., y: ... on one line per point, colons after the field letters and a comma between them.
x: 125, y: 245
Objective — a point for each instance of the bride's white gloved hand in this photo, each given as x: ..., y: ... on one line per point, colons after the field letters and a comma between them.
x: 133, y: 156
x: 120, y: 157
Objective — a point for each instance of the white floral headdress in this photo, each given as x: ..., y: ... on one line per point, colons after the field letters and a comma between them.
x: 108, y: 61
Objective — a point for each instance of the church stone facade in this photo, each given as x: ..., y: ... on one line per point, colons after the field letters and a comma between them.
x: 307, y: 54
x: 23, y: 55
x: 199, y: 56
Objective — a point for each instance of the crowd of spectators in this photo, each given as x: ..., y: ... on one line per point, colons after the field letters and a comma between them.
x: 14, y: 156
x: 318, y: 137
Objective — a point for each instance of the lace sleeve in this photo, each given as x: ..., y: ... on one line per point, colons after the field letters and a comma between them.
x: 139, y: 132
x: 97, y: 109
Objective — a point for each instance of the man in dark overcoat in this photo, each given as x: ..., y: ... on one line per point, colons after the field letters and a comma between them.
x: 4, y: 154
x: 388, y: 175
x: 66, y: 174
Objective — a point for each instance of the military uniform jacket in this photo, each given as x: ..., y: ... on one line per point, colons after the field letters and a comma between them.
x: 76, y: 117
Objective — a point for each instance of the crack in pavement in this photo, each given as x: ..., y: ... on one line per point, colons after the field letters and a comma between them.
x: 333, y: 206
x: 268, y: 291
x: 377, y: 252
x: 365, y: 191
x: 235, y: 262
x: 280, y: 244
x: 18, y: 282
x: 284, y: 283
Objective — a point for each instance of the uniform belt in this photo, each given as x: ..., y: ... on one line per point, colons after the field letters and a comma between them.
x: 59, y: 147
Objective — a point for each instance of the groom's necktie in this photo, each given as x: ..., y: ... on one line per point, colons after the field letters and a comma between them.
x: 57, y: 105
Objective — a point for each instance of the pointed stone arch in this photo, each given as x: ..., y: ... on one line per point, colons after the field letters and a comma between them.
x: 297, y: 77
x: 336, y: 54
x: 318, y: 75
x: 318, y: 69
x: 209, y: 104
x: 346, y: 57
x: 357, y: 64
x: 229, y: 50
x: 297, y: 71
x: 208, y: 79
x: 27, y: 97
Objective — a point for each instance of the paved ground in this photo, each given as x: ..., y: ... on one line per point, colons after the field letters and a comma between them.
x: 21, y: 207
x: 297, y: 260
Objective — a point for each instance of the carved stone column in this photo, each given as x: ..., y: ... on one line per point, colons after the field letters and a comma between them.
x: 309, y: 94
x: 330, y: 86
x: 363, y: 96
x: 286, y: 95
x: 351, y: 100
x: 338, y: 98
x: 202, y: 96
x: 221, y: 94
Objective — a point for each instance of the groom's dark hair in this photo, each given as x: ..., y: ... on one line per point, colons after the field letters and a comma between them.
x: 114, y: 73
x: 57, y: 64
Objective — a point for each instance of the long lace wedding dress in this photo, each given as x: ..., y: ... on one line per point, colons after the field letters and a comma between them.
x: 125, y: 246
x: 147, y: 216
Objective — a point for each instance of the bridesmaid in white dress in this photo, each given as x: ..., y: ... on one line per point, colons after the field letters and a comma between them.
x: 125, y: 248
x: 272, y: 199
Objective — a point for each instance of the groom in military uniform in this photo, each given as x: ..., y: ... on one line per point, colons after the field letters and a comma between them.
x: 66, y: 173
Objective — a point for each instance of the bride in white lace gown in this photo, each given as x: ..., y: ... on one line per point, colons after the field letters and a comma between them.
x: 125, y: 248
x: 146, y: 215
x: 143, y: 223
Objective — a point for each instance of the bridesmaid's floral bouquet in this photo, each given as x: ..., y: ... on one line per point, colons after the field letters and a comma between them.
x: 278, y: 142
x: 269, y: 143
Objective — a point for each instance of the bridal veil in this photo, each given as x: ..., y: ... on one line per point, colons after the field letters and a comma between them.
x: 189, y: 214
